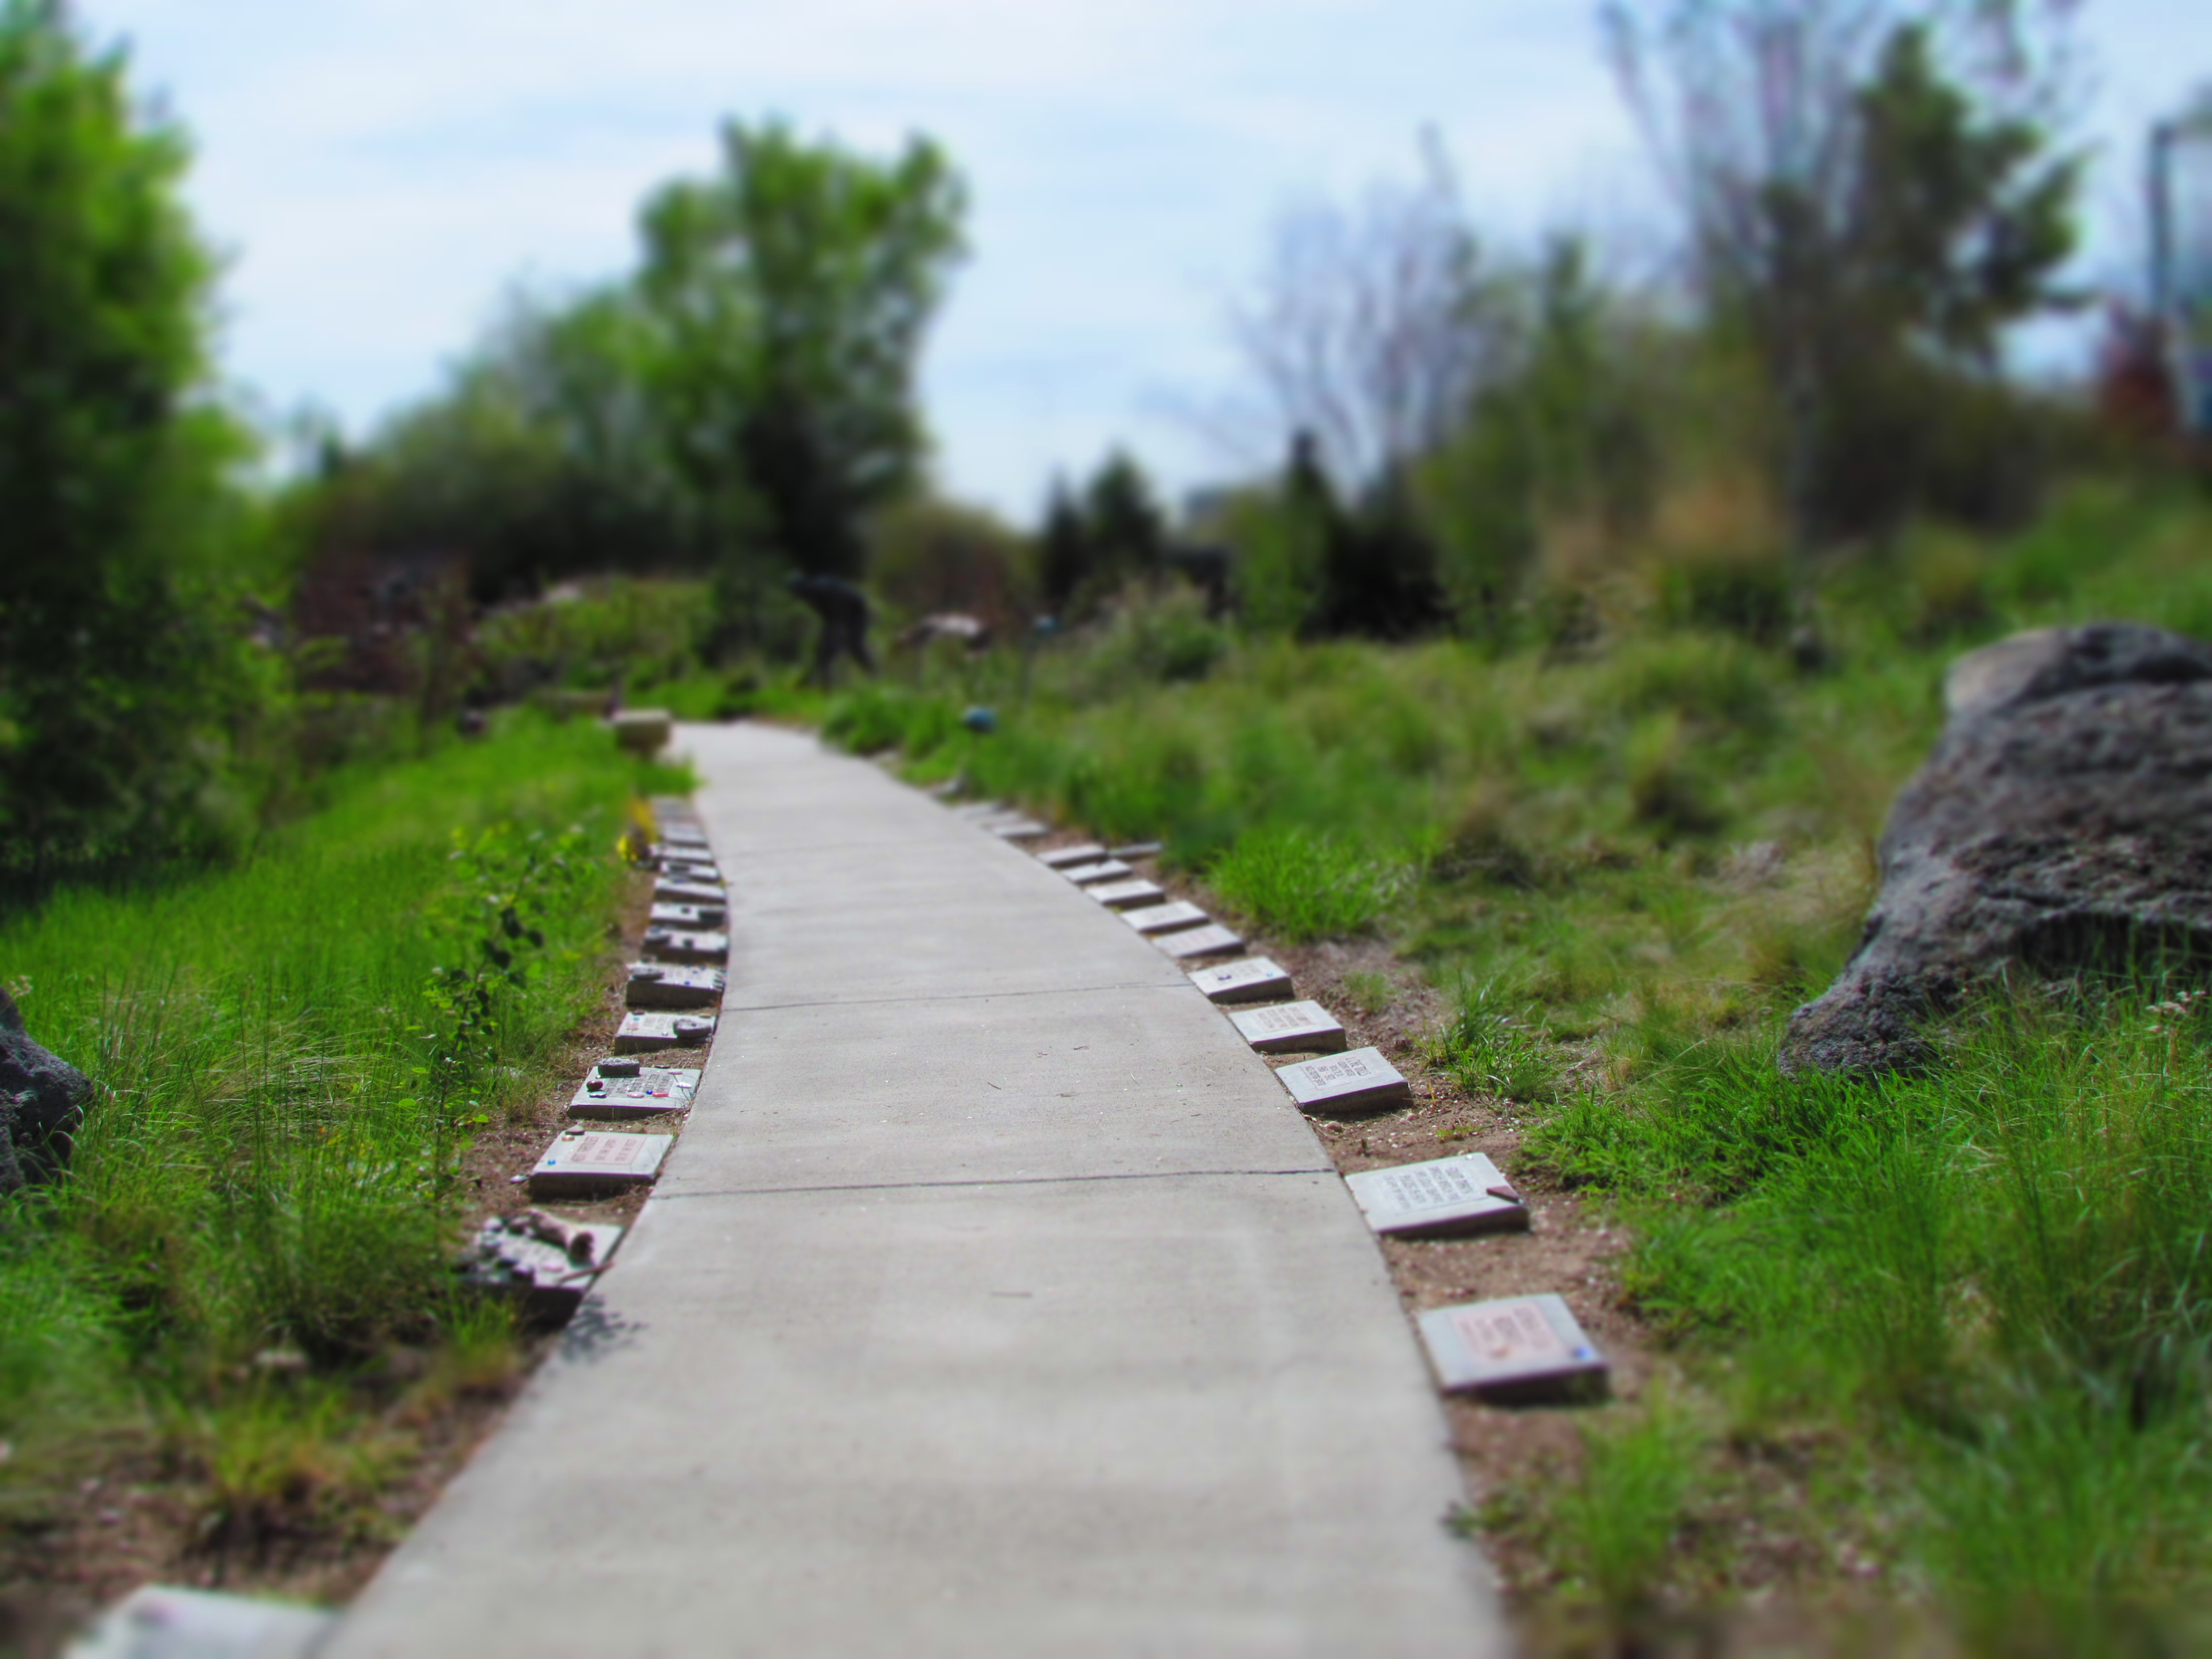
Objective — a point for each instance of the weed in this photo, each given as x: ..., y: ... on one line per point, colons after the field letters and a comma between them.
x: 1488, y: 1051
x: 1612, y: 1531
x: 1370, y: 992
x: 1303, y: 886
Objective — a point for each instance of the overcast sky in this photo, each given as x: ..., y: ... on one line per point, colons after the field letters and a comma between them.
x: 381, y: 171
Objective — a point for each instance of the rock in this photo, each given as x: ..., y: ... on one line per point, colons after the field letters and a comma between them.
x: 2063, y: 821
x: 42, y: 1097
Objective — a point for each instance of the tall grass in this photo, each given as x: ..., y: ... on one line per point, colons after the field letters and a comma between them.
x: 267, y: 1167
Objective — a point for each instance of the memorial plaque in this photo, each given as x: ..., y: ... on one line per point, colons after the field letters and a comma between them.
x: 1018, y: 829
x: 1361, y: 1081
x: 666, y: 985
x: 670, y: 806
x: 1290, y: 1028
x: 1256, y: 980
x: 598, y: 1161
x: 1443, y: 1198
x: 981, y: 809
x: 1195, y: 942
x: 1062, y: 858
x: 1165, y: 918
x: 674, y: 945
x: 544, y: 1262
x: 694, y: 918
x: 162, y: 1621
x: 623, y: 1088
x: 1087, y: 875
x: 688, y: 869
x: 1136, y: 849
x: 643, y: 1033
x: 669, y: 890
x: 1522, y: 1350
x: 1127, y: 895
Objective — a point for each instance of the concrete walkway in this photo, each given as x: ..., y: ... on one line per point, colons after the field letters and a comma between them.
x: 996, y: 1300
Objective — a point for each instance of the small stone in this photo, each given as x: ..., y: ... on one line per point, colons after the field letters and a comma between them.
x: 1359, y: 1081
x: 598, y: 1161
x: 1291, y: 1028
x: 1443, y: 1197
x: 1195, y: 942
x: 665, y: 985
x: 1127, y: 895
x: 1522, y: 1350
x: 1253, y: 980
x: 643, y: 730
x: 1165, y: 918
x: 1062, y: 858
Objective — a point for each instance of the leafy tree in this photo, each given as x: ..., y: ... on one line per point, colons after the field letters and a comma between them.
x: 118, y: 663
x: 792, y: 292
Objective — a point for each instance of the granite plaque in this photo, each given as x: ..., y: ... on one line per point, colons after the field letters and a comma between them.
x: 1165, y: 918
x: 669, y: 890
x: 1361, y: 1081
x: 598, y: 1161
x: 1062, y: 858
x: 623, y: 1088
x: 545, y: 1263
x: 1441, y: 1199
x: 642, y: 1034
x: 688, y: 870
x: 1127, y: 895
x: 1018, y: 829
x: 1086, y: 875
x: 981, y: 809
x: 665, y: 985
x: 675, y: 944
x: 162, y: 1621
x: 695, y: 918
x: 1290, y: 1028
x: 1522, y: 1350
x: 1255, y: 980
x: 1195, y: 942
x: 1136, y: 849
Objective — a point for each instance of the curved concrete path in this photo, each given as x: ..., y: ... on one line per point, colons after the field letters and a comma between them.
x: 996, y: 1300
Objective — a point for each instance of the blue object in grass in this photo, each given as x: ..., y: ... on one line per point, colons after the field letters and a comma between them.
x: 981, y: 719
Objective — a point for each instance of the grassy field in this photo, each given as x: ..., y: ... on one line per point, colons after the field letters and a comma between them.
x: 243, y: 1288
x: 1962, y: 1320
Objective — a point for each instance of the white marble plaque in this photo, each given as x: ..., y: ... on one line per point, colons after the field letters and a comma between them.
x: 1440, y: 1199
x: 597, y: 1161
x: 666, y: 985
x: 1195, y: 942
x: 1165, y: 918
x: 1127, y: 895
x: 1521, y: 1350
x: 1086, y: 875
x: 643, y: 1033
x: 1254, y: 980
x: 1359, y: 1081
x: 670, y: 890
x: 693, y: 918
x: 1062, y: 858
x: 621, y: 1089
x: 1290, y: 1028
x: 675, y: 944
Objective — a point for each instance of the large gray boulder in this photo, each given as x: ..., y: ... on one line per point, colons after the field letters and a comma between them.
x: 42, y: 1097
x: 2064, y: 820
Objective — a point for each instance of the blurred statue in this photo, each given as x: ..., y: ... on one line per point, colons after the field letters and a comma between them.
x: 845, y: 614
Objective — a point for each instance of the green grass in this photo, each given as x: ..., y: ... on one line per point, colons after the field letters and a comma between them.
x: 291, y: 1056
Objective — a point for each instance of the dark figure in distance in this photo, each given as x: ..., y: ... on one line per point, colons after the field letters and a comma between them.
x: 844, y: 612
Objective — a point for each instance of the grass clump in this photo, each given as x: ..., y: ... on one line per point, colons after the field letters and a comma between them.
x: 1302, y: 886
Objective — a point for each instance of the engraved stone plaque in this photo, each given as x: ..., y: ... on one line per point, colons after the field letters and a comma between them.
x: 1361, y: 1081
x: 665, y: 985
x: 1062, y: 858
x: 1290, y: 1028
x: 674, y: 945
x: 688, y: 869
x: 621, y: 1089
x: 670, y: 890
x: 1440, y: 1199
x: 1127, y: 895
x: 1084, y: 875
x: 1165, y: 918
x: 694, y: 918
x: 1136, y: 849
x: 1254, y: 980
x: 542, y: 1261
x: 1018, y: 829
x: 1195, y: 942
x: 981, y: 809
x: 643, y: 1033
x: 1522, y: 1350
x: 598, y: 1161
